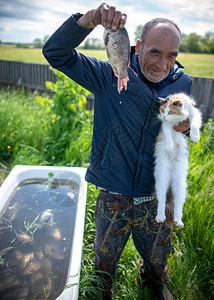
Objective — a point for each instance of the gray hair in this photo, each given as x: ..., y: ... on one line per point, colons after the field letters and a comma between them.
x: 148, y: 26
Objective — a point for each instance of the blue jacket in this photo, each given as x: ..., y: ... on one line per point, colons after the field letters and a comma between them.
x: 126, y: 124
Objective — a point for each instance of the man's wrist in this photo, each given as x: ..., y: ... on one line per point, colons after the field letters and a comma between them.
x: 87, y: 21
x: 91, y: 21
x: 186, y: 132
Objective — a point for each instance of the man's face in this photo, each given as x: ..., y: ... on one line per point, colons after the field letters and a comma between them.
x: 158, y: 54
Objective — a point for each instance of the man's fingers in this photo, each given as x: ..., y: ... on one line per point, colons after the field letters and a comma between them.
x: 183, y: 126
x: 122, y: 21
x: 118, y: 21
x: 111, y: 18
x: 100, y: 14
x: 104, y: 14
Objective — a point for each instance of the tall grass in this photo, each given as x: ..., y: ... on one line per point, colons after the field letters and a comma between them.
x: 32, y: 133
x: 45, y: 130
x: 23, y: 127
x: 192, y: 261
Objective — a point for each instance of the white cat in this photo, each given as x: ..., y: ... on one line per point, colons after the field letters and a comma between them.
x: 171, y: 153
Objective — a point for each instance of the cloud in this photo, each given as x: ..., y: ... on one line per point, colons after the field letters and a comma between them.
x: 194, y: 16
x: 196, y: 9
x: 23, y: 21
x: 18, y: 10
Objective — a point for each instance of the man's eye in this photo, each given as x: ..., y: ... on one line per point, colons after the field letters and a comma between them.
x: 154, y: 53
x: 172, y: 57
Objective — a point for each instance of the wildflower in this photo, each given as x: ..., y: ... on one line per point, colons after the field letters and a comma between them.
x: 8, y: 147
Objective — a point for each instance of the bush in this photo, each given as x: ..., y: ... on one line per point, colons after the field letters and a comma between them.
x: 43, y: 130
x: 71, y: 128
x: 22, y: 123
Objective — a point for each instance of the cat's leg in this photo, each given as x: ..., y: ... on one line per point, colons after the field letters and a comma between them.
x: 162, y: 181
x: 195, y: 124
x: 194, y: 133
x: 167, y: 133
x: 179, y: 186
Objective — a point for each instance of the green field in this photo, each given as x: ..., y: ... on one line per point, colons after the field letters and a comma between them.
x: 195, y: 64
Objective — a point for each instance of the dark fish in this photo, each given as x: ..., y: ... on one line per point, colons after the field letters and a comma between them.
x: 118, y: 51
x: 46, y: 216
x: 6, y: 251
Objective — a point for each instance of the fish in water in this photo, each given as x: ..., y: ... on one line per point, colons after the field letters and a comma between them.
x: 6, y: 251
x: 117, y: 46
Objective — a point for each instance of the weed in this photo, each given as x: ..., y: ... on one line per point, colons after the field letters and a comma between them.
x: 2, y: 261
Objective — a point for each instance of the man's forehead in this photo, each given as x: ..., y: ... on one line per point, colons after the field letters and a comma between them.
x: 163, y: 26
x: 161, y: 36
x: 164, y: 29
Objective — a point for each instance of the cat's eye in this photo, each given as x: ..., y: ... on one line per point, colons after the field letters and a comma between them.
x: 170, y: 112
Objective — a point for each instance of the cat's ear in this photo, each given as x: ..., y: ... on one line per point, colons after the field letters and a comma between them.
x: 177, y: 103
x: 162, y: 100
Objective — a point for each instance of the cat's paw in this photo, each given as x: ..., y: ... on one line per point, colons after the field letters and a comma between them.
x: 194, y: 135
x: 178, y: 222
x: 160, y: 218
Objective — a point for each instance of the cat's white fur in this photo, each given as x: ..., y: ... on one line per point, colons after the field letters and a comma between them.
x: 171, y: 153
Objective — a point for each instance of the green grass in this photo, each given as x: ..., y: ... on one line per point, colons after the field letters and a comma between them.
x: 19, y: 126
x: 195, y: 64
x: 10, y: 52
x: 32, y: 133
x: 100, y: 54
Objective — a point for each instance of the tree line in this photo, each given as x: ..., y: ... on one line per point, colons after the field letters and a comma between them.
x: 192, y: 43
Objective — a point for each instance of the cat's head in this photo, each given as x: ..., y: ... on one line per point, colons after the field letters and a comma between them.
x: 172, y: 109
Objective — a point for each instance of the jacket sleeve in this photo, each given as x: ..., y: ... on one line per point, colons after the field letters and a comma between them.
x: 93, y: 74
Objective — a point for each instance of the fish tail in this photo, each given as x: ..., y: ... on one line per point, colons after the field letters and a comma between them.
x: 122, y: 83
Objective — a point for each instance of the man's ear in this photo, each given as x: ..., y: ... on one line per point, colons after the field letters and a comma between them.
x: 137, y: 47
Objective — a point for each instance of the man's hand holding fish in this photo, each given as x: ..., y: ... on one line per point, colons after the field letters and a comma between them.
x: 107, y: 16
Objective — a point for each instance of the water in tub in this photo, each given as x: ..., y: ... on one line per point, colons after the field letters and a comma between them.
x: 36, y: 229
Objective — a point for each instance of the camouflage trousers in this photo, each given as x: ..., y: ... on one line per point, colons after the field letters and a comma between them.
x: 115, y: 219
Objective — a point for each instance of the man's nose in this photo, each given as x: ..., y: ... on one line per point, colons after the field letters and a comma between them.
x: 161, y: 63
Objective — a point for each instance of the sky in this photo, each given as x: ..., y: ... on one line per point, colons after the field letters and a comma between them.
x: 23, y: 21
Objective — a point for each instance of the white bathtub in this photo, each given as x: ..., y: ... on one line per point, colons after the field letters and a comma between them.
x: 37, y: 246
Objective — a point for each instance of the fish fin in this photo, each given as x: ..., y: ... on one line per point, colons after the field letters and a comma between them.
x: 106, y: 39
x: 115, y: 72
